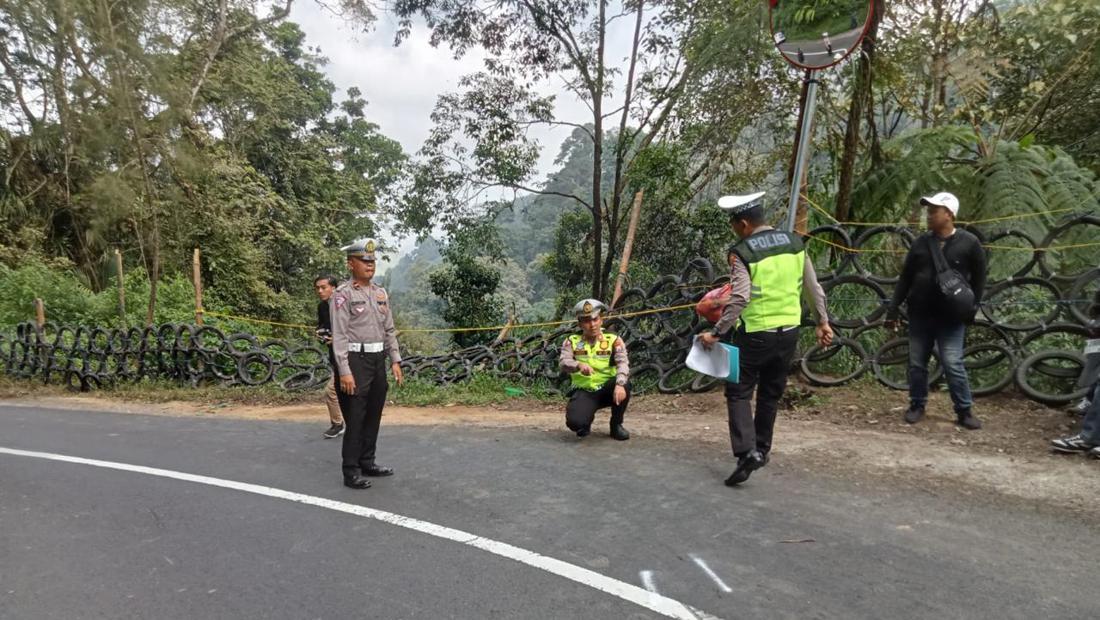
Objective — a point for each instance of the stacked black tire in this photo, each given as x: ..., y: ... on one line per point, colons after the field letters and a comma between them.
x: 86, y: 358
x: 1030, y: 332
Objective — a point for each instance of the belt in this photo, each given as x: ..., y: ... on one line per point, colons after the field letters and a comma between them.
x: 776, y: 330
x: 366, y: 347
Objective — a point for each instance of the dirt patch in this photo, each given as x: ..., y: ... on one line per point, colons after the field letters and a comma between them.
x: 854, y: 432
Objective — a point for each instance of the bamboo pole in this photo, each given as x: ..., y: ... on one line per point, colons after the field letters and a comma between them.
x: 507, y: 326
x: 196, y: 263
x: 121, y: 287
x: 631, y: 228
x: 39, y: 312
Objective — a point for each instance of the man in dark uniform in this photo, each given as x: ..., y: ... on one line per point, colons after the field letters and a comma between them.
x: 597, y: 363
x: 325, y: 287
x: 769, y: 274
x: 363, y: 336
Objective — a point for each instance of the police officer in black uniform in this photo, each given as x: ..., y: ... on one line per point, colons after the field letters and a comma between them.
x: 363, y: 336
x: 769, y: 271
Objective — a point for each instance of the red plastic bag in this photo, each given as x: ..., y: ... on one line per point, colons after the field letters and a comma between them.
x: 710, y: 306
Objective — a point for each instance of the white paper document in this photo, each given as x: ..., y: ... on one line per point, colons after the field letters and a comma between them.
x: 722, y: 361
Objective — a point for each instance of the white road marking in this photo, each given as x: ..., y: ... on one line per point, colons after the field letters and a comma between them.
x: 647, y: 580
x: 706, y: 569
x: 663, y: 605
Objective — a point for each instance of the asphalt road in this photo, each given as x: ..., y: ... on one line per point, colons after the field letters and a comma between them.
x: 83, y: 541
x: 816, y: 52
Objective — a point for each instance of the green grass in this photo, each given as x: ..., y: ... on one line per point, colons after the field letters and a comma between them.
x: 482, y: 389
x: 163, y: 391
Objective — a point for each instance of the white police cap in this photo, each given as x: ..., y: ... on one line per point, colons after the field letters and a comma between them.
x: 739, y: 204
x: 363, y: 249
x: 589, y: 307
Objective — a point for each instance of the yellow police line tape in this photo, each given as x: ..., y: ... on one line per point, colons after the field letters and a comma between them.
x: 1002, y: 218
x: 984, y: 245
x: 623, y: 315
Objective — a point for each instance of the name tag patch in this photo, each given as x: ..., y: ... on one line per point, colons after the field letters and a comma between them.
x: 766, y: 241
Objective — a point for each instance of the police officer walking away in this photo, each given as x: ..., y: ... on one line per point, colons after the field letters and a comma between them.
x: 769, y: 272
x: 599, y: 368
x: 363, y: 336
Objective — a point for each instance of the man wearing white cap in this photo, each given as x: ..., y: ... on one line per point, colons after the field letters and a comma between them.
x: 598, y: 366
x: 941, y: 299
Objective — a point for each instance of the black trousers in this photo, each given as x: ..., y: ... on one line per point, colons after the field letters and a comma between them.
x: 582, y: 406
x: 765, y: 362
x: 362, y: 410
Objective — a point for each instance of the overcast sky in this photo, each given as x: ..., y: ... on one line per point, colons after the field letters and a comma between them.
x: 401, y: 84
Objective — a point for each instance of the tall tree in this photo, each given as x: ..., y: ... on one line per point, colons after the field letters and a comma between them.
x: 861, y: 100
x: 162, y: 125
x: 561, y: 42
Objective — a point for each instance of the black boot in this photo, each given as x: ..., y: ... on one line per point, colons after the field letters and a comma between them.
x: 914, y: 414
x: 356, y: 481
x: 745, y: 466
x: 377, y: 471
x: 966, y: 419
x: 619, y: 433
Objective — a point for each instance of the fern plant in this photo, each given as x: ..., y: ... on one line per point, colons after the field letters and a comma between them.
x: 992, y: 178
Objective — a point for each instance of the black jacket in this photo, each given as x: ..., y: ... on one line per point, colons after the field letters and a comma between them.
x: 917, y: 284
x: 324, y: 319
x: 324, y: 330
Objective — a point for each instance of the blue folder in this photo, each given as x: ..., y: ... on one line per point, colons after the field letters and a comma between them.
x: 735, y: 362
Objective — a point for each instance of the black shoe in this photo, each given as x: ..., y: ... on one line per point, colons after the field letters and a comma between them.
x: 334, y: 431
x: 967, y: 420
x: 356, y: 482
x: 584, y: 431
x: 377, y: 471
x: 745, y: 466
x: 619, y: 433
x: 914, y: 414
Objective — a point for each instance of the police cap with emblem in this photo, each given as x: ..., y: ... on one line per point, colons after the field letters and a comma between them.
x: 738, y: 206
x: 363, y: 249
x: 589, y: 308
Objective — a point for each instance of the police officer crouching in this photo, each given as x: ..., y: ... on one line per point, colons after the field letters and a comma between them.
x: 769, y: 271
x: 363, y: 336
x: 596, y: 383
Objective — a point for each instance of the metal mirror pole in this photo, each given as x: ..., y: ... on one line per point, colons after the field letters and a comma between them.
x: 803, y: 147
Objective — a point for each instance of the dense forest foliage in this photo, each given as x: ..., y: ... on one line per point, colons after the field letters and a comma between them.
x: 158, y: 126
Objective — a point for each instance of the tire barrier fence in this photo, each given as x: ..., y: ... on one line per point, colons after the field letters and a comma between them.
x: 1030, y: 330
x: 84, y: 358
